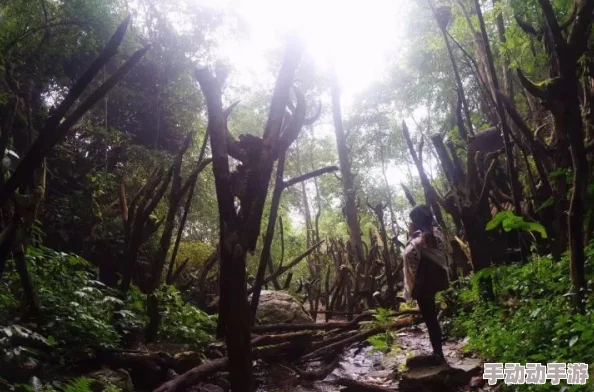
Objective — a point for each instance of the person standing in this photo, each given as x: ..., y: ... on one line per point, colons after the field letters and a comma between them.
x: 426, y: 264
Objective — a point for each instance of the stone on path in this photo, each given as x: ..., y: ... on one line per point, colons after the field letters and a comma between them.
x: 279, y: 307
x: 426, y: 375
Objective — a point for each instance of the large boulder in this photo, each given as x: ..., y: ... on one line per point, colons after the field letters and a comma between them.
x: 279, y: 307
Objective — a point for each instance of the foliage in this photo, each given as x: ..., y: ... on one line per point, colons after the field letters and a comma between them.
x: 195, y: 251
x: 80, y: 384
x: 532, y: 318
x: 83, y: 313
x: 382, y: 318
x: 182, y: 322
x: 80, y: 308
x: 510, y: 221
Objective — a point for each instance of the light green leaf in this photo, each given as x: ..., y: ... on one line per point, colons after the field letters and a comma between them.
x: 535, y: 226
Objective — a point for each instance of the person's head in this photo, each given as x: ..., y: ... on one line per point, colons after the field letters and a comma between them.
x: 421, y: 217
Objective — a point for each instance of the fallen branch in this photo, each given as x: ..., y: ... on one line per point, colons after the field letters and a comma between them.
x: 360, y: 386
x: 311, y: 326
x: 192, y: 376
x: 318, y: 374
x: 333, y: 339
x: 264, y: 340
x: 398, y: 324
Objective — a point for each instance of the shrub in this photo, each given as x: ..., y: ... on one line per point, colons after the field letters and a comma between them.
x: 182, y: 322
x: 532, y: 318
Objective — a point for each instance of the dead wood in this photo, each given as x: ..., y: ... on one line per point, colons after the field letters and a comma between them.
x: 333, y: 338
x: 398, y: 324
x: 360, y: 386
x: 264, y: 340
x: 192, y: 376
x: 318, y: 374
x: 311, y: 326
x: 293, y: 263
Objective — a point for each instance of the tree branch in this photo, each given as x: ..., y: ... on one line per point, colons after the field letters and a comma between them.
x: 293, y: 263
x: 52, y: 134
x: 553, y: 23
x: 308, y: 176
x: 531, y: 87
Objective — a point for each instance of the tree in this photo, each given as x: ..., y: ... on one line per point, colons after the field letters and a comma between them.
x: 239, y: 229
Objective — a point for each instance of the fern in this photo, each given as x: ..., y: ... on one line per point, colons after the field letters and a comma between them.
x: 81, y: 384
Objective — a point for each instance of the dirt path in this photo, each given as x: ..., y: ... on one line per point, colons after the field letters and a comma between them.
x: 362, y: 363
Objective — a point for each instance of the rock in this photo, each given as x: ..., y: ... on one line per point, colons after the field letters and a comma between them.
x: 210, y: 388
x: 472, y: 367
x: 441, y: 378
x: 187, y: 360
x: 279, y: 307
x: 477, y: 382
x: 423, y: 361
x: 438, y: 378
x: 117, y: 378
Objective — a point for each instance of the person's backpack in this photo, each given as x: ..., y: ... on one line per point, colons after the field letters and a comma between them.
x: 435, y: 276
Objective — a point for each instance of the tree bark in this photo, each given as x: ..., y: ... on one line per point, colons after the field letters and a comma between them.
x: 390, y: 281
x: 457, y: 78
x: 511, y: 170
x: 348, y: 184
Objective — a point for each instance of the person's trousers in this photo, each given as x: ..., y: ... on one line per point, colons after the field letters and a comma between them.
x: 429, y: 312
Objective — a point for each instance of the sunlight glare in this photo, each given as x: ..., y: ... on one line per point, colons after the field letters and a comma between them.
x: 355, y: 35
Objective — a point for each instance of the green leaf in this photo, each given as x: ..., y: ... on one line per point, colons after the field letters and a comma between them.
x: 498, y: 219
x: 512, y: 222
x: 535, y: 226
x: 548, y: 202
x: 573, y: 340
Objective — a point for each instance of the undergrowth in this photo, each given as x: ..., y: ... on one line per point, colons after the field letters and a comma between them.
x: 531, y: 320
x: 81, y: 314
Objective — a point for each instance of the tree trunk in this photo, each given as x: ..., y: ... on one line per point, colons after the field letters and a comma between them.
x: 238, y: 319
x: 511, y: 170
x: 390, y: 281
x: 458, y: 80
x: 348, y: 185
x: 272, y: 216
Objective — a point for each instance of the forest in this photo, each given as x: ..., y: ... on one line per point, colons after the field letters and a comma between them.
x: 203, y: 195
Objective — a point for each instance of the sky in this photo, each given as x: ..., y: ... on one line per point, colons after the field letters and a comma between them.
x: 356, y: 35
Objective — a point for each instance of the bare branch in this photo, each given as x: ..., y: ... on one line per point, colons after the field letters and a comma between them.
x: 531, y: 87
x: 217, y: 131
x: 580, y: 30
x: 291, y: 264
x: 484, y: 192
x: 553, y: 23
x: 108, y: 52
x: 232, y: 145
x: 280, y: 96
x: 291, y: 130
x: 527, y: 28
x: 50, y: 135
x: 310, y: 175
x: 315, y: 117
